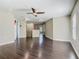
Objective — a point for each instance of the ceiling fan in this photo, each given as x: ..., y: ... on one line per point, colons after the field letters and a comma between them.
x: 34, y: 12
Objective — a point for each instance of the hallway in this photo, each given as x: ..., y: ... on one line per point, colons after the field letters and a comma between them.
x: 37, y: 48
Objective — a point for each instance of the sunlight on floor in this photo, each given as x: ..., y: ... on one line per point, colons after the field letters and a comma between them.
x: 41, y: 39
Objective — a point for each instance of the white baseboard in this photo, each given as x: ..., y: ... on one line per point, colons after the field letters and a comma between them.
x: 6, y: 43
x: 58, y: 39
x: 61, y: 40
x: 75, y: 49
x: 49, y: 37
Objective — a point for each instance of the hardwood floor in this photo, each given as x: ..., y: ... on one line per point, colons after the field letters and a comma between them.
x: 37, y: 48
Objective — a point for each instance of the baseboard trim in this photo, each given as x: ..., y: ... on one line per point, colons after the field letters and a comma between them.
x: 74, y: 50
x: 48, y: 38
x: 1, y: 44
x: 58, y: 39
x: 61, y: 40
x: 77, y: 54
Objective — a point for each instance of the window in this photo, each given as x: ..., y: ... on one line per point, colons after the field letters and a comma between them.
x: 74, y: 27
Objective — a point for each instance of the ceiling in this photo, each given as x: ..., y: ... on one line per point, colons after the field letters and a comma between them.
x: 52, y: 8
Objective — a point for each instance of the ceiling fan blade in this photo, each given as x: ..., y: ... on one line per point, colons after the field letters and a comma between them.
x: 29, y: 13
x: 40, y: 12
x: 23, y: 10
x: 33, y: 10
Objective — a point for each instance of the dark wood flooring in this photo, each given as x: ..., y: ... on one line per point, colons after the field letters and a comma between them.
x: 37, y: 48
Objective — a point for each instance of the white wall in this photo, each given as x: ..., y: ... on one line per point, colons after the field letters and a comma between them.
x: 7, y: 27
x: 75, y: 43
x: 49, y: 29
x: 61, y: 28
x: 22, y: 28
